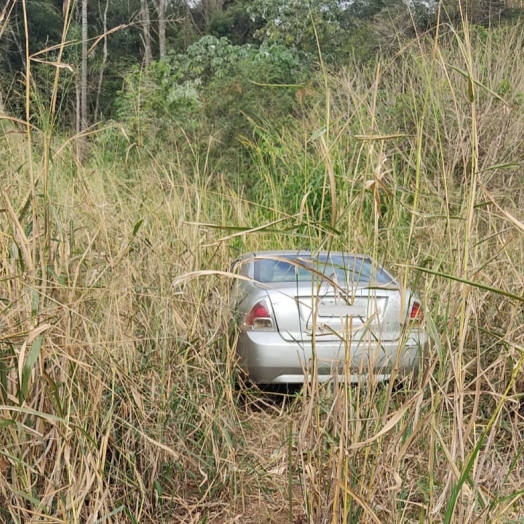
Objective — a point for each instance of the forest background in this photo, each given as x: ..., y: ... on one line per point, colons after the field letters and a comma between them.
x: 145, y: 144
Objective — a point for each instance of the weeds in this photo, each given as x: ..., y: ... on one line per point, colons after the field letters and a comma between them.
x: 118, y: 387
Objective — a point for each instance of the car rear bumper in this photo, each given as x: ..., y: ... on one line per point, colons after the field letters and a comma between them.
x: 268, y: 359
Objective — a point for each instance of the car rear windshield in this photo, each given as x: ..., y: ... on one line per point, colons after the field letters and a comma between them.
x: 341, y: 269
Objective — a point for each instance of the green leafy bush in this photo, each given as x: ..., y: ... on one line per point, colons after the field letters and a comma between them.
x: 210, y: 94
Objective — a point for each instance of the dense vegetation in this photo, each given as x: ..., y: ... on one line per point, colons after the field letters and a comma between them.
x: 369, y: 128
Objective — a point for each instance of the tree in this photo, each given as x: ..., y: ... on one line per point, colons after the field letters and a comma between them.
x: 235, y: 23
x: 146, y: 30
x: 207, y: 8
x: 216, y: 94
x: 161, y: 8
x: 306, y: 25
x: 84, y: 110
x: 103, y: 16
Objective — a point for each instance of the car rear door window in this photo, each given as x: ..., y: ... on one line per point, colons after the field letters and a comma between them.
x: 340, y: 268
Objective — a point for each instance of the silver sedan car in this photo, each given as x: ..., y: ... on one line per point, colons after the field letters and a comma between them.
x: 312, y: 316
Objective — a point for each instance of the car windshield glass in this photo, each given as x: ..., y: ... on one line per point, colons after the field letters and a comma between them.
x: 341, y: 269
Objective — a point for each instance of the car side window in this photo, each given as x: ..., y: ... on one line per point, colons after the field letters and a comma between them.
x: 274, y: 271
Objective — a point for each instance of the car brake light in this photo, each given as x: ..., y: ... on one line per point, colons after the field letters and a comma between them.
x: 416, y: 314
x: 259, y: 317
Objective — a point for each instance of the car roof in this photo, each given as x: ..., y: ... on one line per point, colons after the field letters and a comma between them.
x: 299, y: 252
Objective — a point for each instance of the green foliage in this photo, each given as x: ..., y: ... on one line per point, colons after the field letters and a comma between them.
x: 158, y: 92
x: 215, y: 89
x: 245, y: 84
x: 211, y: 58
x: 362, y: 42
x: 303, y: 25
x: 287, y: 171
x: 45, y: 22
x: 234, y: 23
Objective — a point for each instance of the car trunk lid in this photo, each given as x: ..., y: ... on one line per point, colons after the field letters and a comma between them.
x: 328, y: 314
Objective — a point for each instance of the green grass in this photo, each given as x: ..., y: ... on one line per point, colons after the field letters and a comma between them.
x: 118, y: 398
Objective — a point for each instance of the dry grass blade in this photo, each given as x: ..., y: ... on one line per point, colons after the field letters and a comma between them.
x: 509, y: 216
x: 19, y: 234
x: 155, y: 443
x: 390, y: 424
x: 332, y: 182
x: 24, y: 123
x: 28, y: 411
x: 368, y: 511
x: 246, y: 231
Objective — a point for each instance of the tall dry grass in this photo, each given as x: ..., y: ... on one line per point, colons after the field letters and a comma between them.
x: 118, y: 398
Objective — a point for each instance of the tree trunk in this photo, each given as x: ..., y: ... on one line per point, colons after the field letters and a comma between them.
x: 161, y: 6
x: 84, y: 113
x: 209, y: 7
x: 146, y: 29
x: 78, y: 112
x: 104, y: 60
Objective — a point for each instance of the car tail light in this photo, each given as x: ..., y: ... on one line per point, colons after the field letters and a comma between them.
x: 416, y: 314
x: 259, y: 317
